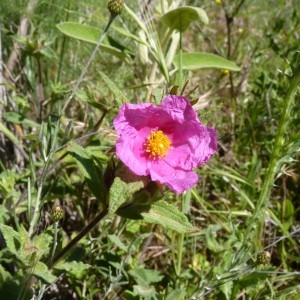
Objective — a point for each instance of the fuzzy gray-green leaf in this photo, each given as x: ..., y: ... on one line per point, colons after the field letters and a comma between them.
x: 181, y: 17
x: 88, y: 34
x: 120, y: 97
x: 145, y: 277
x: 200, y: 60
x: 12, y: 238
x: 167, y: 216
x: 88, y: 169
x: 121, y: 191
x: 70, y: 265
x: 41, y: 271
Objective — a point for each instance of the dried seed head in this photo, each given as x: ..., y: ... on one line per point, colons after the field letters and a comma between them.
x: 115, y: 7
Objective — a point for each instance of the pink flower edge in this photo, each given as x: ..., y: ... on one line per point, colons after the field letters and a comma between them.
x: 192, y: 143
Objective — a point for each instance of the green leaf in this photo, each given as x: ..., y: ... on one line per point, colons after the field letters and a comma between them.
x: 147, y: 292
x: 176, y: 295
x: 42, y: 242
x: 141, y: 201
x: 88, y: 34
x: 181, y: 17
x: 4, y: 276
x: 4, y: 213
x: 122, y: 191
x: 18, y: 118
x: 211, y: 241
x: 88, y: 169
x: 75, y: 268
x: 10, y: 135
x: 167, y: 216
x: 11, y: 286
x: 12, y: 238
x: 288, y: 209
x: 41, y: 271
x: 120, y: 97
x: 130, y: 35
x: 69, y: 266
x: 252, y: 279
x: 145, y: 276
x: 200, y: 60
x: 288, y: 153
x: 117, y: 242
x: 287, y: 214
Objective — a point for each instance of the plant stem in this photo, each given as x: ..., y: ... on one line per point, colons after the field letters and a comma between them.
x: 111, y: 19
x: 180, y: 83
x: 40, y: 90
x: 179, y: 254
x: 43, y: 287
x: 185, y: 208
x: 41, y: 292
x: 51, y: 153
x: 80, y: 235
x: 37, y: 206
x: 180, y: 76
x: 259, y: 212
x: 54, y: 240
x: 63, y: 46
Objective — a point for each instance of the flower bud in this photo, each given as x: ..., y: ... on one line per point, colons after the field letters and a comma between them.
x: 57, y: 213
x: 115, y: 7
x: 263, y: 258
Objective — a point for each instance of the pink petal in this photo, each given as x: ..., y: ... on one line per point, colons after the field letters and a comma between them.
x: 176, y: 179
x: 179, y: 108
x: 192, y: 143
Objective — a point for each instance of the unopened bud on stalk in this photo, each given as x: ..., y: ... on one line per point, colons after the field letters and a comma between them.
x: 57, y: 213
x: 115, y: 7
x: 263, y: 258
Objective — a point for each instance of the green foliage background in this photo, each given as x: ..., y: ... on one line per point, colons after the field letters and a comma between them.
x: 133, y: 258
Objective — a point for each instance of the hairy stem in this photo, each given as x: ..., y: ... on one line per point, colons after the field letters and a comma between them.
x: 41, y: 95
x: 186, y: 199
x: 38, y: 203
x: 37, y: 206
x: 54, y: 240
x: 112, y: 17
x: 280, y: 140
x: 80, y: 235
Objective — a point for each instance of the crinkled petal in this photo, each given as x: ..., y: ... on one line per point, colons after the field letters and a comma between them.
x: 144, y: 115
x: 179, y: 108
x: 130, y: 151
x: 192, y: 143
x: 176, y: 179
x: 133, y: 115
x: 208, y: 145
x: 133, y: 124
x: 185, y: 141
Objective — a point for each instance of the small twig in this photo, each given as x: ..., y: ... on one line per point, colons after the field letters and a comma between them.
x: 280, y: 141
x: 111, y: 19
x: 52, y: 151
x: 37, y: 207
x: 41, y: 96
x: 80, y: 235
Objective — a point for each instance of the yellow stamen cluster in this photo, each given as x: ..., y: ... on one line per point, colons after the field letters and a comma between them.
x: 157, y: 144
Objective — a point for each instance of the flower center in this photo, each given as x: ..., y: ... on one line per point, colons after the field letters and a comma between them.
x: 157, y: 144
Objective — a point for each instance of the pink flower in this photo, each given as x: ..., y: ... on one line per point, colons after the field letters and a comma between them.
x: 166, y: 142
